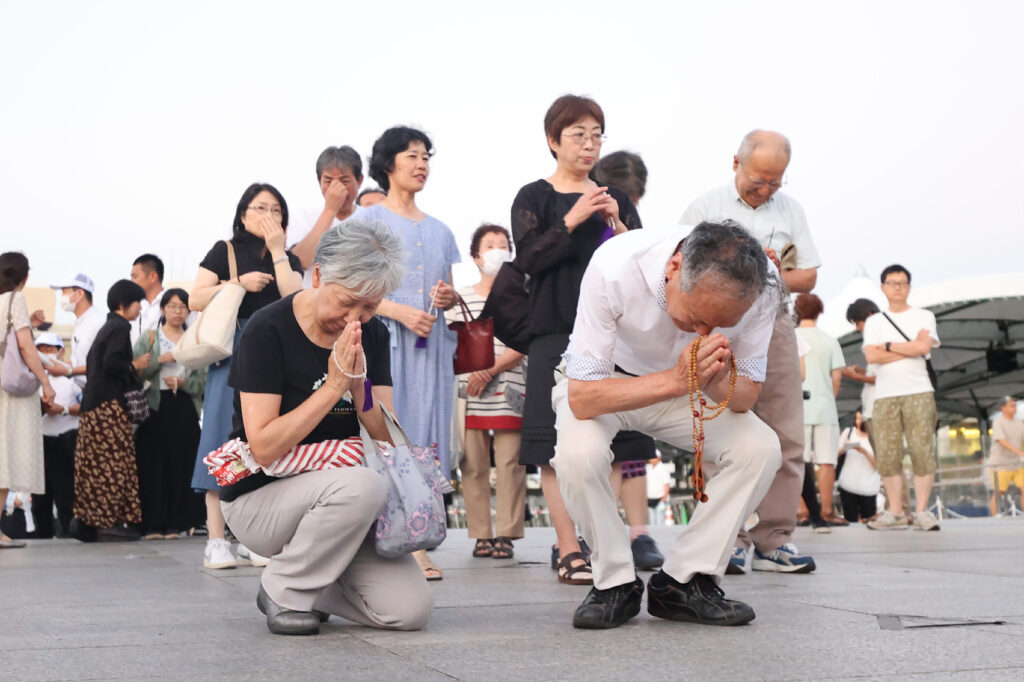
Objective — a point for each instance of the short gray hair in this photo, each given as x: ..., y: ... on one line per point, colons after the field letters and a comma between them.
x: 726, y: 256
x: 339, y: 157
x: 756, y: 138
x: 362, y: 255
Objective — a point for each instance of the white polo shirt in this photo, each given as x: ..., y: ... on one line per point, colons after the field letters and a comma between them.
x: 86, y: 328
x: 300, y: 224
x: 775, y: 223
x: 621, y: 317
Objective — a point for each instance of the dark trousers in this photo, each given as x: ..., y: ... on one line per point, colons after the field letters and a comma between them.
x: 165, y: 448
x: 810, y: 493
x: 59, y: 468
x: 857, y: 507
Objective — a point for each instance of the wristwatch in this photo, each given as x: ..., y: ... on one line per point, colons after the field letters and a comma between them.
x: 66, y: 411
x: 888, y: 346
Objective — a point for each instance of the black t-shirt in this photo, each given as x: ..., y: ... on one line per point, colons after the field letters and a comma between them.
x: 554, y: 258
x: 275, y: 356
x: 250, y: 257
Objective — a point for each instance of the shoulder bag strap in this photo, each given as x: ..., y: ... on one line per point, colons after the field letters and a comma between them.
x: 232, y: 263
x: 466, y: 315
x: 886, y: 316
x: 10, y: 323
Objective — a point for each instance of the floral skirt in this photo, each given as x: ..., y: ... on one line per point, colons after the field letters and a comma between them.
x: 106, y: 476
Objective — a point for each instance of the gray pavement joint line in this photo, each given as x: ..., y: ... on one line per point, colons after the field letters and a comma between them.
x: 919, y: 673
x: 408, y: 660
x: 1006, y: 619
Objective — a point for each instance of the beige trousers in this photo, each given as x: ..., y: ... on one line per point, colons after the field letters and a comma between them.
x: 315, y: 527
x: 781, y: 407
x: 510, y: 489
x: 743, y: 449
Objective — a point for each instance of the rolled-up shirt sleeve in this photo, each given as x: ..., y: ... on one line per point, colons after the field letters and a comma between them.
x: 750, y: 347
x: 592, y: 344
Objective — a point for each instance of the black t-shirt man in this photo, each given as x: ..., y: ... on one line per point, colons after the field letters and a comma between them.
x: 275, y: 356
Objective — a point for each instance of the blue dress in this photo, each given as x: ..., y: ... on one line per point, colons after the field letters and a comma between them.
x: 424, y: 379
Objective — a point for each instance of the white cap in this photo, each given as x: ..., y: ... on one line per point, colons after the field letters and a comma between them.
x: 49, y: 339
x: 82, y: 281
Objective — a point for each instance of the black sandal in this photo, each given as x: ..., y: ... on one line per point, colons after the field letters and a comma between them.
x: 483, y: 548
x: 502, y: 548
x: 574, y: 575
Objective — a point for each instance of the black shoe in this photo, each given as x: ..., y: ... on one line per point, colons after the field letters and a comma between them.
x: 118, y: 533
x: 282, y: 621
x: 646, y: 556
x: 82, y: 532
x: 698, y: 601
x: 609, y: 608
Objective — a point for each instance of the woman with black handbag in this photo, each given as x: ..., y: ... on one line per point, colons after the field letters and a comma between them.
x: 106, y: 476
x: 558, y: 223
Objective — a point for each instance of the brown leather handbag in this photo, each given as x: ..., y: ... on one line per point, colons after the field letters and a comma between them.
x: 476, y: 341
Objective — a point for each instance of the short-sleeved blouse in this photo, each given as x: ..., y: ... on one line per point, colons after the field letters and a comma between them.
x: 250, y: 257
x: 554, y: 258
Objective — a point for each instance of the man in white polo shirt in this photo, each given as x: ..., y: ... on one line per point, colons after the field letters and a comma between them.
x: 339, y: 170
x: 898, y: 341
x: 645, y: 298
x: 76, y: 297
x: 776, y: 220
x: 148, y: 273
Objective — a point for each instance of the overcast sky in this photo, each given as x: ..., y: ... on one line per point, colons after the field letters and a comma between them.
x: 130, y: 127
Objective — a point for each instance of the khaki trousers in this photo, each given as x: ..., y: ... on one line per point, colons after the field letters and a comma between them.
x: 315, y: 527
x: 510, y: 489
x: 743, y: 449
x: 781, y: 407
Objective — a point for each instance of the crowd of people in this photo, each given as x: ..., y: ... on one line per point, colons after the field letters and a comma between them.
x: 600, y: 349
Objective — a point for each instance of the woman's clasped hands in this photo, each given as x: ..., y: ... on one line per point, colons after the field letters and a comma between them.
x: 346, y: 365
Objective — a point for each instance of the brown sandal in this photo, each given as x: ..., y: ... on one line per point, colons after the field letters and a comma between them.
x: 502, y: 549
x: 483, y: 548
x: 581, y: 574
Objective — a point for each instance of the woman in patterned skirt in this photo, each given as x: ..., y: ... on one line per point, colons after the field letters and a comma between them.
x: 106, y: 478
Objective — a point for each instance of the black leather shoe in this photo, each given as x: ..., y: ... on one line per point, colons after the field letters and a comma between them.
x: 282, y: 621
x: 609, y: 608
x: 82, y: 532
x: 646, y: 556
x: 698, y: 601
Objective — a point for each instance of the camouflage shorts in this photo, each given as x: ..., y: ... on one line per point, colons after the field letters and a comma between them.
x: 910, y: 416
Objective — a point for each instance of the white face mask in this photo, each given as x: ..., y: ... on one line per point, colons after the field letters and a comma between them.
x: 493, y: 260
x: 66, y: 304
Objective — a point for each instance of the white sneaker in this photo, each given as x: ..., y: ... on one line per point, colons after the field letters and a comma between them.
x: 925, y: 521
x: 218, y: 554
x: 890, y: 521
x: 246, y: 555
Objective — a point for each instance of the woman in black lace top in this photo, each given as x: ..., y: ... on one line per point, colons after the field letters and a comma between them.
x: 557, y: 224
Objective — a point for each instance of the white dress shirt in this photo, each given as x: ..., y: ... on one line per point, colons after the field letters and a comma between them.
x: 775, y: 223
x: 621, y: 318
x: 300, y: 224
x: 149, y: 317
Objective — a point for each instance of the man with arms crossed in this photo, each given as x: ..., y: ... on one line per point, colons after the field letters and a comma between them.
x: 645, y: 298
x: 904, y: 400
x: 775, y: 219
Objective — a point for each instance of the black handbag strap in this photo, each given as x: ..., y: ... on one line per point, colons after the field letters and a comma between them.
x: 886, y: 316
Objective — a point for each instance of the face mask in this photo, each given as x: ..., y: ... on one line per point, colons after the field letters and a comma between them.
x: 66, y: 304
x: 493, y: 260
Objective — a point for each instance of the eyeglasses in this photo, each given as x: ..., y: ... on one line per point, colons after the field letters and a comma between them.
x: 758, y: 184
x: 580, y: 138
x: 276, y: 210
x: 897, y: 284
x: 176, y: 307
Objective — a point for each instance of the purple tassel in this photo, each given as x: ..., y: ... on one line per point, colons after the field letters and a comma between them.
x: 609, y: 232
x: 367, y: 395
x: 421, y: 342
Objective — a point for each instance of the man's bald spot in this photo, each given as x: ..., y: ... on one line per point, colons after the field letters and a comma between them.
x: 767, y: 143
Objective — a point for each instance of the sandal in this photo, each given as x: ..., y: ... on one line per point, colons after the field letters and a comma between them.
x: 502, y: 548
x: 834, y: 520
x: 580, y: 574
x: 483, y: 548
x: 430, y: 571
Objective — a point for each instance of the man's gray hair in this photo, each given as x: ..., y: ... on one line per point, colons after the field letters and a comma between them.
x: 341, y: 158
x: 362, y: 255
x: 725, y: 256
x: 756, y: 138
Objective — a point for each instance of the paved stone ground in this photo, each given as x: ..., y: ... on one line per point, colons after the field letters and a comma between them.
x: 146, y: 610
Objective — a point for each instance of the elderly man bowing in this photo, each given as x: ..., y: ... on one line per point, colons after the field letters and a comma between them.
x: 644, y: 302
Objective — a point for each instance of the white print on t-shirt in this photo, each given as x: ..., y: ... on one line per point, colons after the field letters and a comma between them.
x: 344, y: 406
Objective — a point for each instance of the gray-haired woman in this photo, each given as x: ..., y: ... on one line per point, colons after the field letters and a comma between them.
x: 291, y: 388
